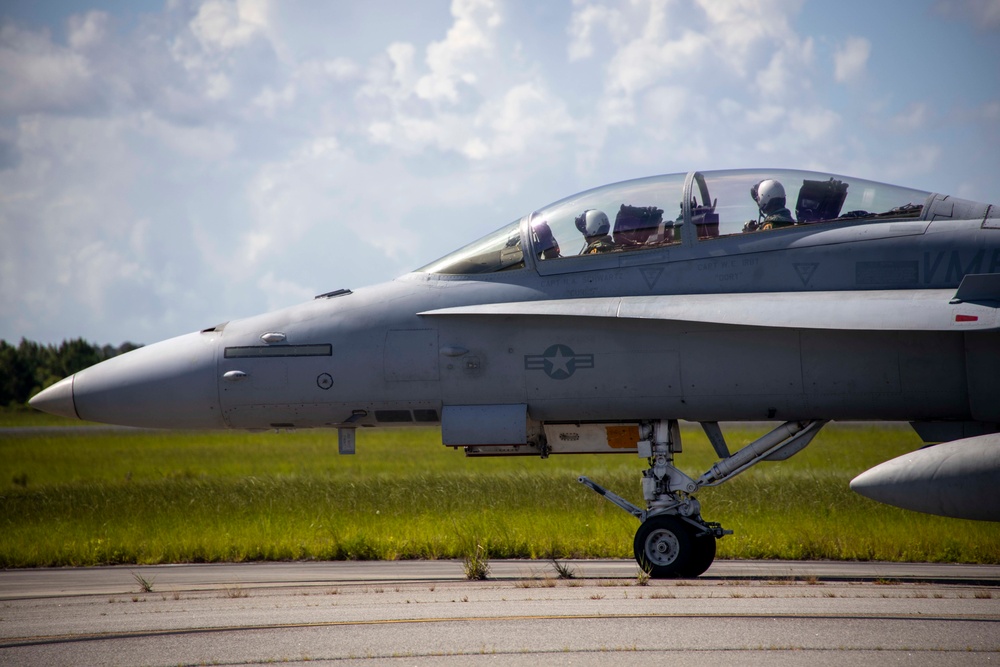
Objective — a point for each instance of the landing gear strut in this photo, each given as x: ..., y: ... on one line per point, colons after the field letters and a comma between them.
x: 673, y: 539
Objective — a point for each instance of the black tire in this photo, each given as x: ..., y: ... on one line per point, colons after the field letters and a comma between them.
x: 702, y: 555
x: 663, y: 547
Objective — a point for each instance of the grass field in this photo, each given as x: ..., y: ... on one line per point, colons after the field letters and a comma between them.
x: 97, y: 496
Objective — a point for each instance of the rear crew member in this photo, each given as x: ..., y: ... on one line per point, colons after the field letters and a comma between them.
x: 594, y: 225
x: 770, y: 197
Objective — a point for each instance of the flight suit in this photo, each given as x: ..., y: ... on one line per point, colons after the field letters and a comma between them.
x: 599, y: 244
x: 780, y: 218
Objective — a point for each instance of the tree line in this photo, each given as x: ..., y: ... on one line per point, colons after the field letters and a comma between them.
x: 30, y: 367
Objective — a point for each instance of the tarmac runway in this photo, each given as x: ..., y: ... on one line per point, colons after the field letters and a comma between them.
x: 427, y: 613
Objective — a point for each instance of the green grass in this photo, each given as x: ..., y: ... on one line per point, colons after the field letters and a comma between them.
x: 19, y: 416
x: 123, y: 496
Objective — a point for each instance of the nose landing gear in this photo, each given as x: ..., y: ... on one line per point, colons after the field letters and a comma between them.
x: 673, y: 540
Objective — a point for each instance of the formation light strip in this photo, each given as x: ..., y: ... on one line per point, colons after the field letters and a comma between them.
x: 259, y: 351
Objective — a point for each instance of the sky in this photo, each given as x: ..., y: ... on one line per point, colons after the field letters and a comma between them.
x: 168, y: 165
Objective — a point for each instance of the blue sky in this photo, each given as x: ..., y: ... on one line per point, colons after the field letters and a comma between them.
x: 168, y: 165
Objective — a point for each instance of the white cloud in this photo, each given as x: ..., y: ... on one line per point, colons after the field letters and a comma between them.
x: 799, y: 132
x: 982, y: 14
x: 87, y: 30
x: 323, y: 190
x: 748, y: 45
x: 641, y: 62
x: 271, y: 101
x: 766, y: 114
x: 527, y: 120
x: 814, y: 125
x: 581, y: 29
x: 784, y: 78
x: 745, y: 32
x: 341, y: 69
x: 663, y: 109
x: 199, y: 142
x: 913, y: 161
x: 450, y: 60
x: 991, y: 111
x: 460, y: 96
x: 401, y: 55
x: 222, y: 25
x: 228, y: 46
x: 218, y: 86
x: 281, y: 292
x: 414, y: 134
x: 914, y: 118
x: 851, y: 59
x: 37, y: 75
x: 98, y: 270
x: 76, y: 248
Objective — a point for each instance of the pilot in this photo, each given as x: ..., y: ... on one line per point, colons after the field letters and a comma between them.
x: 545, y: 243
x: 770, y: 197
x: 594, y: 225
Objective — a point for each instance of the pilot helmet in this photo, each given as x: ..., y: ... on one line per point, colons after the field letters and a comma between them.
x: 545, y: 243
x: 769, y: 195
x: 593, y: 223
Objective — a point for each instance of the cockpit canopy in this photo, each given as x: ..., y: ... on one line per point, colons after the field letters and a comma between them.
x: 650, y: 213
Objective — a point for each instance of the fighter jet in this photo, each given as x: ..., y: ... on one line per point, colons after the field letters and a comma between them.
x: 594, y: 324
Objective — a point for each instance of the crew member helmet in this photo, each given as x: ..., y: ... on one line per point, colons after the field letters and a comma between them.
x: 545, y: 243
x: 769, y: 195
x: 593, y: 223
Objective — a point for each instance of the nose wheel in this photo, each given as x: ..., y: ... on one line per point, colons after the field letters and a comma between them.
x: 668, y: 547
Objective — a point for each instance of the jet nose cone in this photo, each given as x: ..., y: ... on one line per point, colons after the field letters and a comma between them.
x: 57, y: 399
x: 171, y: 384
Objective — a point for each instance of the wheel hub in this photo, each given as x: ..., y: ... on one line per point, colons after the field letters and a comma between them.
x: 662, y: 547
